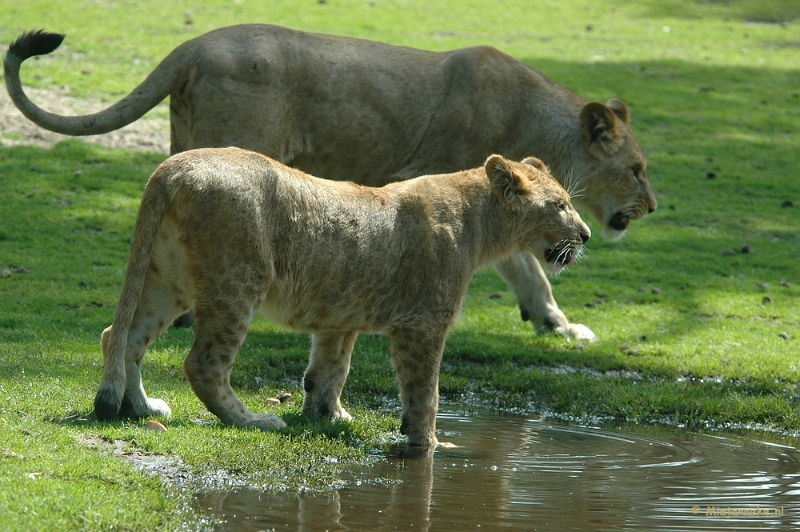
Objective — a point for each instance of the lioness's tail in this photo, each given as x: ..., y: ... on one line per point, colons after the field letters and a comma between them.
x: 108, y: 400
x: 147, y: 95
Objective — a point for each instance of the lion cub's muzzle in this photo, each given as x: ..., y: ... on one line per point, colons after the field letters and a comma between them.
x: 566, y: 251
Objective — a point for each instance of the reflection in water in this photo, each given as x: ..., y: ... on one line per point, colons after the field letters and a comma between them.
x: 527, y: 474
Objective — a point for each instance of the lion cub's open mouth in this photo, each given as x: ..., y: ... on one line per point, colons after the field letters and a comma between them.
x: 562, y: 255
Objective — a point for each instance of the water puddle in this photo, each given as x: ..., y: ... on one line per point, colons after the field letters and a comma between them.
x: 527, y: 474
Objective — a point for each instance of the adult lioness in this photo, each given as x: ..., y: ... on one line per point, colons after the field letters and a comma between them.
x: 230, y: 231
x: 349, y: 109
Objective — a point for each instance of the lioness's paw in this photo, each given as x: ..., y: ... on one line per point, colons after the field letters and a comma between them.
x: 576, y: 331
x: 267, y: 422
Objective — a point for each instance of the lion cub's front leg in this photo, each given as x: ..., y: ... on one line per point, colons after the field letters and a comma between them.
x: 328, y: 366
x: 416, y: 356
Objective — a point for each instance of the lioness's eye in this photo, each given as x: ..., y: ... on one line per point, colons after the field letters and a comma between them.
x: 637, y: 173
x: 562, y: 206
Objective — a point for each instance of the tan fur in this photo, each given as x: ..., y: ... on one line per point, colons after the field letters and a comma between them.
x: 349, y: 109
x: 230, y: 232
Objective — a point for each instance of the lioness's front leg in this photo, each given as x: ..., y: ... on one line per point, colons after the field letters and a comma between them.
x: 219, y: 333
x: 328, y: 366
x: 526, y: 278
x: 416, y: 356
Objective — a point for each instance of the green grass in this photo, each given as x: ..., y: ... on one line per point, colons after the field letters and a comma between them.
x: 713, y: 86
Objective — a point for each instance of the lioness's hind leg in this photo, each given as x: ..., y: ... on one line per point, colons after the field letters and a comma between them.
x: 219, y: 333
x: 328, y: 366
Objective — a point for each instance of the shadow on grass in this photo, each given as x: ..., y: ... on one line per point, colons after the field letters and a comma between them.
x: 741, y: 124
x: 765, y: 11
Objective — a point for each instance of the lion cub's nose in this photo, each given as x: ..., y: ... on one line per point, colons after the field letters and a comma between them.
x: 585, y: 236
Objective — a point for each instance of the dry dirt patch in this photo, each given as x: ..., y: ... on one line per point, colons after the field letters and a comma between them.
x: 148, y: 134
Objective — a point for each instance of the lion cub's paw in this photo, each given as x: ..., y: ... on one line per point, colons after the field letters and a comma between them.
x: 267, y: 422
x: 576, y: 331
x: 342, y: 415
x: 157, y: 407
x: 143, y: 408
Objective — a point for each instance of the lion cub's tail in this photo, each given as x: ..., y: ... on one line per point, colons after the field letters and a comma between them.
x: 108, y: 400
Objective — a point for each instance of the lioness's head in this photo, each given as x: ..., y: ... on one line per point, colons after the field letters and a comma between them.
x: 613, y: 184
x: 549, y: 226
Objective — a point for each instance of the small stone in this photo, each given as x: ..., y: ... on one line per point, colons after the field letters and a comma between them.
x: 284, y: 397
x: 787, y: 204
x: 155, y: 426
x: 6, y: 273
x: 623, y: 347
x: 274, y: 401
x: 747, y: 250
x: 762, y: 286
x: 642, y: 289
x: 785, y: 336
x: 711, y: 175
x: 656, y: 290
x: 577, y: 347
x: 495, y: 295
x: 643, y: 338
x: 766, y: 300
x: 633, y: 352
x: 785, y: 284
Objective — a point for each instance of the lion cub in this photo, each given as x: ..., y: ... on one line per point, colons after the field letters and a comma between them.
x: 229, y: 232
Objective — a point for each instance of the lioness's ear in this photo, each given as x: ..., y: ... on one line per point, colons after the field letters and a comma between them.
x: 599, y: 128
x: 506, y: 184
x: 620, y: 109
x: 536, y: 163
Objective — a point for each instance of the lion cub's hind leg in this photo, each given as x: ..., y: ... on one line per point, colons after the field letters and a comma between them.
x: 122, y: 392
x: 328, y: 366
x: 220, y: 331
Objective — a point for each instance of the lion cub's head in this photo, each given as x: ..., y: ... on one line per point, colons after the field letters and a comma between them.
x: 548, y: 225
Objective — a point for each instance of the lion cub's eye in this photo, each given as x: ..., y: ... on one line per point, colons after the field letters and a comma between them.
x: 637, y: 172
x: 562, y: 206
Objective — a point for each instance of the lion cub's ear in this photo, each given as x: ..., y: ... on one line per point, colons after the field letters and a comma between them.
x: 599, y: 128
x: 536, y: 163
x: 506, y: 183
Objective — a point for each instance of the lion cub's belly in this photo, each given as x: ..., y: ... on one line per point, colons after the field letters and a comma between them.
x: 320, y: 310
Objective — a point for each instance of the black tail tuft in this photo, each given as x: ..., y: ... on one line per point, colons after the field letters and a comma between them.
x: 33, y: 43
